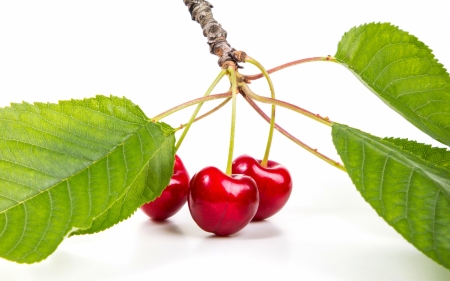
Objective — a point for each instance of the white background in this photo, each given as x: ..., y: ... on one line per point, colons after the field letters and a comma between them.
x: 152, y: 53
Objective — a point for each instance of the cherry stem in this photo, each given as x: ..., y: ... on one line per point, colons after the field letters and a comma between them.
x: 233, y: 80
x: 190, y: 103
x: 247, y: 91
x: 272, y: 119
x: 295, y: 140
x: 197, y: 109
x: 207, y: 113
x: 286, y: 65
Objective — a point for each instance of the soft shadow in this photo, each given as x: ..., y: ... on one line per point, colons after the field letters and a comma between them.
x: 253, y: 231
x: 380, y: 263
x: 166, y: 226
x: 60, y: 266
x: 264, y: 229
x: 419, y: 266
x: 158, y: 243
x: 248, y: 243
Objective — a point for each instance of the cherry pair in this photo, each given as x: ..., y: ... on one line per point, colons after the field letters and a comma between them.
x: 224, y: 204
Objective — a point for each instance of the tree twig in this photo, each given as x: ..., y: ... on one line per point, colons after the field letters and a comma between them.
x: 217, y: 36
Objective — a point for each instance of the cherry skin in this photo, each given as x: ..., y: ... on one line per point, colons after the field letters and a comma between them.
x: 274, y: 184
x: 222, y: 204
x: 173, y: 197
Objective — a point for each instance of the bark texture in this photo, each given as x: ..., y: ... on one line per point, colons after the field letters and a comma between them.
x: 217, y: 36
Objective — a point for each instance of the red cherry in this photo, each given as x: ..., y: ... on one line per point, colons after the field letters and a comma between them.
x: 173, y: 197
x: 274, y: 184
x: 222, y: 204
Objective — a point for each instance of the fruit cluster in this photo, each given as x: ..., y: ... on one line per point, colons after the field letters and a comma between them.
x: 223, y: 204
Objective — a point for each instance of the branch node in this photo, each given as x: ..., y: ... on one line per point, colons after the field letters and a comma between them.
x: 227, y: 64
x: 239, y: 56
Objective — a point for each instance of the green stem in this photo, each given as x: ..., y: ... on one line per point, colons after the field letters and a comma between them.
x: 272, y: 119
x: 197, y: 109
x: 232, y: 73
x: 206, y: 114
x: 316, y: 117
x: 295, y: 140
x: 286, y: 65
x: 189, y: 103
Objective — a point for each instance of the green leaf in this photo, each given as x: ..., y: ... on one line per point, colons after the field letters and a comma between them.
x: 403, y: 72
x: 147, y: 186
x: 72, y: 166
x: 438, y: 156
x: 406, y: 185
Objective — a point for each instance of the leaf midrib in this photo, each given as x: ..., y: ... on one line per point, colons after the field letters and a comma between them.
x: 18, y: 112
x: 402, y: 157
x: 368, y: 83
x: 96, y: 112
x: 80, y: 171
x: 393, y: 99
x: 131, y: 184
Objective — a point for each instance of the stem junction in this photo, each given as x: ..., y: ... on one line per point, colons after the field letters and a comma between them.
x: 239, y: 84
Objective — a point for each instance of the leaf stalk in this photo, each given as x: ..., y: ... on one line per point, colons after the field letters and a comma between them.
x: 289, y: 64
x: 199, y: 106
x: 190, y: 103
x: 222, y: 104
x: 248, y: 92
x: 294, y: 139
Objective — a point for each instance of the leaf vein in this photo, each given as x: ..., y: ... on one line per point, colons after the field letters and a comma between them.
x: 408, y: 187
x: 364, y: 44
x: 48, y: 224
x: 89, y: 193
x: 6, y: 224
x: 421, y: 92
x: 44, y: 148
x: 434, y: 226
x: 23, y: 230
x: 389, y: 64
x: 362, y: 167
x: 56, y: 136
x: 31, y: 168
x: 402, y: 79
x: 383, y: 172
x: 69, y: 194
x: 119, y: 145
x: 4, y: 196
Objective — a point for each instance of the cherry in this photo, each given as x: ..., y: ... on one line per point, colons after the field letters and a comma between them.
x: 222, y: 204
x: 173, y: 197
x: 274, y: 184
